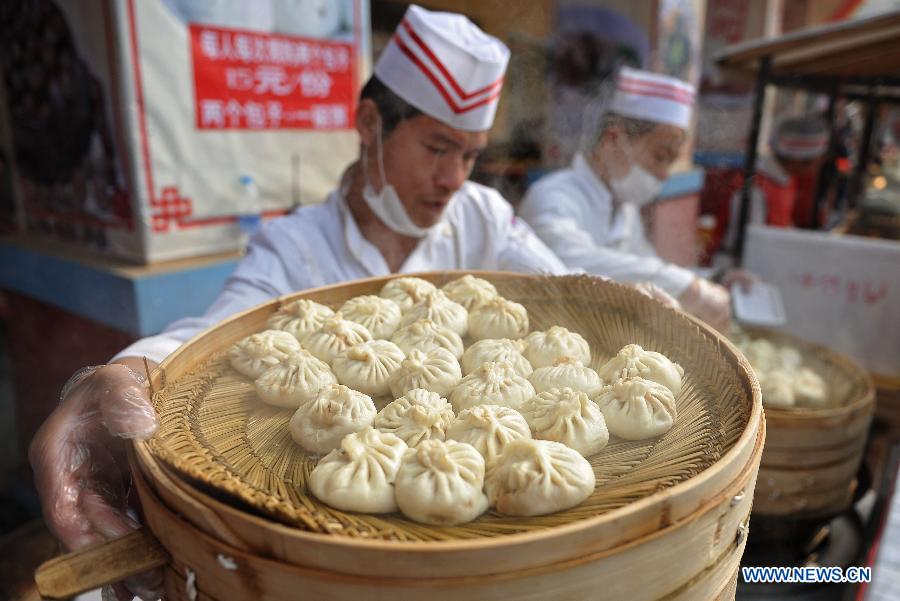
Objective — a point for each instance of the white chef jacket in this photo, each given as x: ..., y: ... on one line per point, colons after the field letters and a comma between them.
x: 571, y: 210
x: 321, y: 244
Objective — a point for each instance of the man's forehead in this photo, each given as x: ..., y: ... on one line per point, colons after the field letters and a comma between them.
x: 667, y: 137
x: 439, y: 131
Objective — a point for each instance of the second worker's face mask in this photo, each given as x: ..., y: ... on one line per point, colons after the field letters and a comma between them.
x: 637, y: 187
x: 386, y: 203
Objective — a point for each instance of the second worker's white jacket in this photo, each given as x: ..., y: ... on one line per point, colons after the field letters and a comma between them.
x: 572, y: 211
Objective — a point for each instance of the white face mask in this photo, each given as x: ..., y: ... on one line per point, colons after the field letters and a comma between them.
x: 386, y: 203
x: 639, y: 187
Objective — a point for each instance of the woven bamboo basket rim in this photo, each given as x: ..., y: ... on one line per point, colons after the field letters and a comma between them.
x: 745, y: 386
x: 863, y: 386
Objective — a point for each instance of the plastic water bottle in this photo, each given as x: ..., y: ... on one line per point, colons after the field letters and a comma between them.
x: 250, y: 216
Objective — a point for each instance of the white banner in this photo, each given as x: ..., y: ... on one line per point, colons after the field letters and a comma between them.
x: 840, y: 291
x: 152, y: 129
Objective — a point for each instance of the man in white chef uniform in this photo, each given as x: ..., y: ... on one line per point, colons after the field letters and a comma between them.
x: 589, y: 214
x: 404, y: 206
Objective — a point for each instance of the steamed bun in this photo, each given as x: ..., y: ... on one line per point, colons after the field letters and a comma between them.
x: 295, y: 381
x: 301, y: 318
x: 492, y: 384
x: 359, y: 475
x: 633, y: 361
x: 437, y: 371
x: 426, y: 335
x: 469, y: 291
x: 407, y: 291
x: 537, y: 477
x: 416, y: 416
x: 334, y: 337
x: 441, y: 483
x: 380, y: 316
x: 498, y: 318
x: 637, y: 409
x: 489, y: 428
x: 542, y: 349
x: 256, y: 353
x: 368, y: 366
x: 567, y: 416
x: 319, y: 426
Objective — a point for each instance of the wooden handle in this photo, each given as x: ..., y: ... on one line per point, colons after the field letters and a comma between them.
x: 68, y: 575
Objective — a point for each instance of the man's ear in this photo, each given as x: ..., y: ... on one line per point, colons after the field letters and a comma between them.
x: 368, y: 122
x: 612, y: 133
x: 607, y: 139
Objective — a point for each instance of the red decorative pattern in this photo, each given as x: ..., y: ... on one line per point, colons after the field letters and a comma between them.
x: 174, y: 211
x: 169, y: 207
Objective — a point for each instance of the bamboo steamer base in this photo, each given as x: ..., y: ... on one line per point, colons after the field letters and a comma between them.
x: 812, y: 456
x: 696, y: 558
x: 887, y: 404
x: 807, y: 493
x: 176, y: 589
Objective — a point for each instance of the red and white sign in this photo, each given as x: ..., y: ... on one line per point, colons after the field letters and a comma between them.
x: 256, y: 80
x: 190, y: 115
x: 842, y: 291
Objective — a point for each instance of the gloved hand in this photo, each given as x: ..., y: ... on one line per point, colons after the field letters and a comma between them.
x: 79, y: 462
x: 709, y: 302
x: 656, y: 293
x: 741, y: 277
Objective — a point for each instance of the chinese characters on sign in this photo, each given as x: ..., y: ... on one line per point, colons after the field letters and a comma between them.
x: 850, y: 289
x: 252, y: 80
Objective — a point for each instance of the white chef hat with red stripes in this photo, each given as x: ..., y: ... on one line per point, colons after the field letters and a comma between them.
x: 800, y: 137
x: 445, y: 66
x: 652, y: 97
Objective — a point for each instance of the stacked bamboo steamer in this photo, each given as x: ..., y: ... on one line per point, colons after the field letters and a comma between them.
x: 887, y: 404
x: 812, y: 455
x: 678, y: 535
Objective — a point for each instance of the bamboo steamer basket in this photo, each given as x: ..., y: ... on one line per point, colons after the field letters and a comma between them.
x: 679, y: 536
x: 887, y: 404
x: 812, y: 455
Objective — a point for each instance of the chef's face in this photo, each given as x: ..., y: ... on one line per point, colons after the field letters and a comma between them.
x: 655, y: 150
x: 426, y: 161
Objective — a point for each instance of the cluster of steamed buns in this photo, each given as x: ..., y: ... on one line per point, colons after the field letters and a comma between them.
x: 505, y: 422
x: 783, y: 379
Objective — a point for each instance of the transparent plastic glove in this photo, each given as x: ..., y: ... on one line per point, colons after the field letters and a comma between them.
x: 658, y: 294
x: 709, y: 302
x: 78, y: 458
x: 741, y: 277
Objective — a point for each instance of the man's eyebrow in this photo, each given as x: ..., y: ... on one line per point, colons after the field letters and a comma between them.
x: 442, y: 139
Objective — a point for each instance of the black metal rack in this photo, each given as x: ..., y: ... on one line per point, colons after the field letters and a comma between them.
x: 855, y: 60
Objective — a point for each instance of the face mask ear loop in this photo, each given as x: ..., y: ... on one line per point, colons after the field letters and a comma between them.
x: 379, y: 152
x: 627, y: 149
x: 365, y: 165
